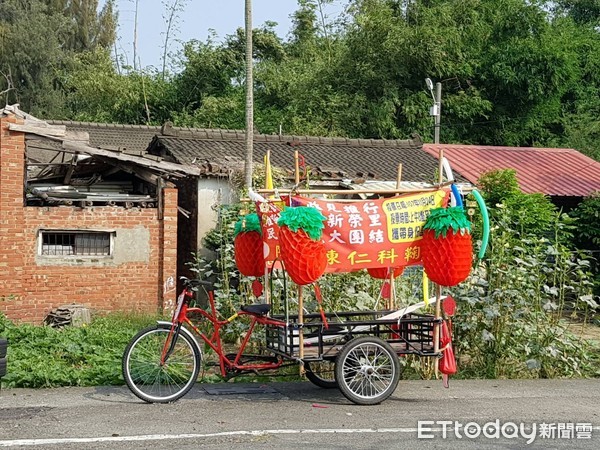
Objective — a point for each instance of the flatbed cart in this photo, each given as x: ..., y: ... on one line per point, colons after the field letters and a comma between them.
x: 357, y: 352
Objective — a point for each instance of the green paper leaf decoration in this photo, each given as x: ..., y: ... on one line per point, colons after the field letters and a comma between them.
x: 250, y: 222
x: 306, y: 218
x: 442, y: 220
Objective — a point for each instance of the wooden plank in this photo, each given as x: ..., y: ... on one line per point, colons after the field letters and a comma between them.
x: 52, y: 131
x: 354, y: 191
x: 71, y: 168
x: 164, y: 166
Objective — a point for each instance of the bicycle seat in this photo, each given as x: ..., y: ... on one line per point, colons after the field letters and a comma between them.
x: 259, y: 309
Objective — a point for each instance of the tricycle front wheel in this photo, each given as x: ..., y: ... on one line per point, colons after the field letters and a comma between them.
x: 367, y: 370
x: 156, y: 382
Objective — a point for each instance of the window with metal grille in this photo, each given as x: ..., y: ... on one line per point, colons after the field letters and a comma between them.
x: 76, y: 243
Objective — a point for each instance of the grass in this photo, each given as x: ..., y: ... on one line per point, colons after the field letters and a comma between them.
x: 45, y: 357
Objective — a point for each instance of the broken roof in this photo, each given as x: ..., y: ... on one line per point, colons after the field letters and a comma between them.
x: 62, y: 167
x: 551, y: 171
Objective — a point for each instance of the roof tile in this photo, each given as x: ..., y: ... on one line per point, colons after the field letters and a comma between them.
x: 338, y: 157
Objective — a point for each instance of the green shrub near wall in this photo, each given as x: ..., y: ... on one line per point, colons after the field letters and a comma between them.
x: 41, y: 356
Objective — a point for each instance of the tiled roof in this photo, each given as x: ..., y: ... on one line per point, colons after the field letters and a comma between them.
x: 551, y: 171
x: 327, y: 157
x: 131, y: 138
x: 225, y: 149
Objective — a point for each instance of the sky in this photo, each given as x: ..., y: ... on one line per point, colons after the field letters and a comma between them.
x: 224, y: 16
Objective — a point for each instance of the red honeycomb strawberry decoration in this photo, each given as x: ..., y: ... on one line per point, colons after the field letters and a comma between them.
x: 383, y: 273
x: 302, y: 250
x: 447, y: 248
x: 248, y: 246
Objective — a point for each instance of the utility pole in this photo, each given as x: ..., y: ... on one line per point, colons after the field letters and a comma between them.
x: 438, y: 111
x: 249, y: 97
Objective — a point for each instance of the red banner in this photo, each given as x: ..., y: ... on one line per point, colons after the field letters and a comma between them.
x: 363, y: 233
x: 269, y: 214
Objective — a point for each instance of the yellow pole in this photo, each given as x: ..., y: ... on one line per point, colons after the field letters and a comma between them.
x: 392, y: 303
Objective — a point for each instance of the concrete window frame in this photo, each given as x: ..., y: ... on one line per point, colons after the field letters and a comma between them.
x: 67, y: 243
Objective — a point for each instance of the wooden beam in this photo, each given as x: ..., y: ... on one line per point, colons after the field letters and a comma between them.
x: 441, y: 166
x: 296, y: 168
x: 354, y: 192
x: 71, y: 168
x: 164, y: 166
x: 52, y: 131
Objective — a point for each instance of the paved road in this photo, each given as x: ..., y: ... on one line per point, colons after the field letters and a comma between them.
x: 300, y: 415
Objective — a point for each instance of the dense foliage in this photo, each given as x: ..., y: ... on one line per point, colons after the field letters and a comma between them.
x: 513, y: 311
x: 41, y: 356
x: 514, y: 72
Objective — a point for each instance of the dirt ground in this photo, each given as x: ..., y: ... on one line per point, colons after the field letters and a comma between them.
x: 589, y: 331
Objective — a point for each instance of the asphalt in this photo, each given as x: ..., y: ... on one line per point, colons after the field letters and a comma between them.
x: 300, y: 415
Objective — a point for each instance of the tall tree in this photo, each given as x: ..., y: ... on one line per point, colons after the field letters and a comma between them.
x: 31, y: 57
x: 172, y: 17
x: 89, y: 28
x: 34, y: 58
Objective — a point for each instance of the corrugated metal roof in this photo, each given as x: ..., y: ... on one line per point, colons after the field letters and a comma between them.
x: 551, y: 171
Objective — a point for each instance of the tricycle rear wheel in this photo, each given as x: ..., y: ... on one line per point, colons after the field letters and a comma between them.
x: 367, y: 370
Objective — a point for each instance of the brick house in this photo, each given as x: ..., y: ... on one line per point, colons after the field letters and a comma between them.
x: 101, y: 250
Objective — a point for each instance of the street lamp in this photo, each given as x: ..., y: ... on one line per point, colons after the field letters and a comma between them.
x: 435, y: 110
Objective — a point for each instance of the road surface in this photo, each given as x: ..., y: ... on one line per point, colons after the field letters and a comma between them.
x: 421, y: 414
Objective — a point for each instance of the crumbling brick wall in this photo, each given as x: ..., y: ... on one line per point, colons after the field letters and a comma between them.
x: 141, y: 279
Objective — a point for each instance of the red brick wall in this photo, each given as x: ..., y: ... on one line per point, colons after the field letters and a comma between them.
x: 31, y: 286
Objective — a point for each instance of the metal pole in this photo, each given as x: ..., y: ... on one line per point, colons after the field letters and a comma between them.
x: 438, y: 103
x: 249, y: 97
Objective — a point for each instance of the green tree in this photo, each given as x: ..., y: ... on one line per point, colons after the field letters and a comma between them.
x: 584, y: 12
x: 88, y: 27
x: 31, y: 57
x: 587, y: 215
x: 97, y: 93
x: 210, y: 85
x: 34, y: 59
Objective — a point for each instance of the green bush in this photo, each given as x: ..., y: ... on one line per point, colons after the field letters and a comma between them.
x: 587, y: 232
x: 513, y: 309
x: 587, y: 215
x: 498, y: 185
x: 42, y: 356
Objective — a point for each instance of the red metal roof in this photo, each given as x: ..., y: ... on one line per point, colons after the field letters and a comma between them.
x: 551, y: 171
